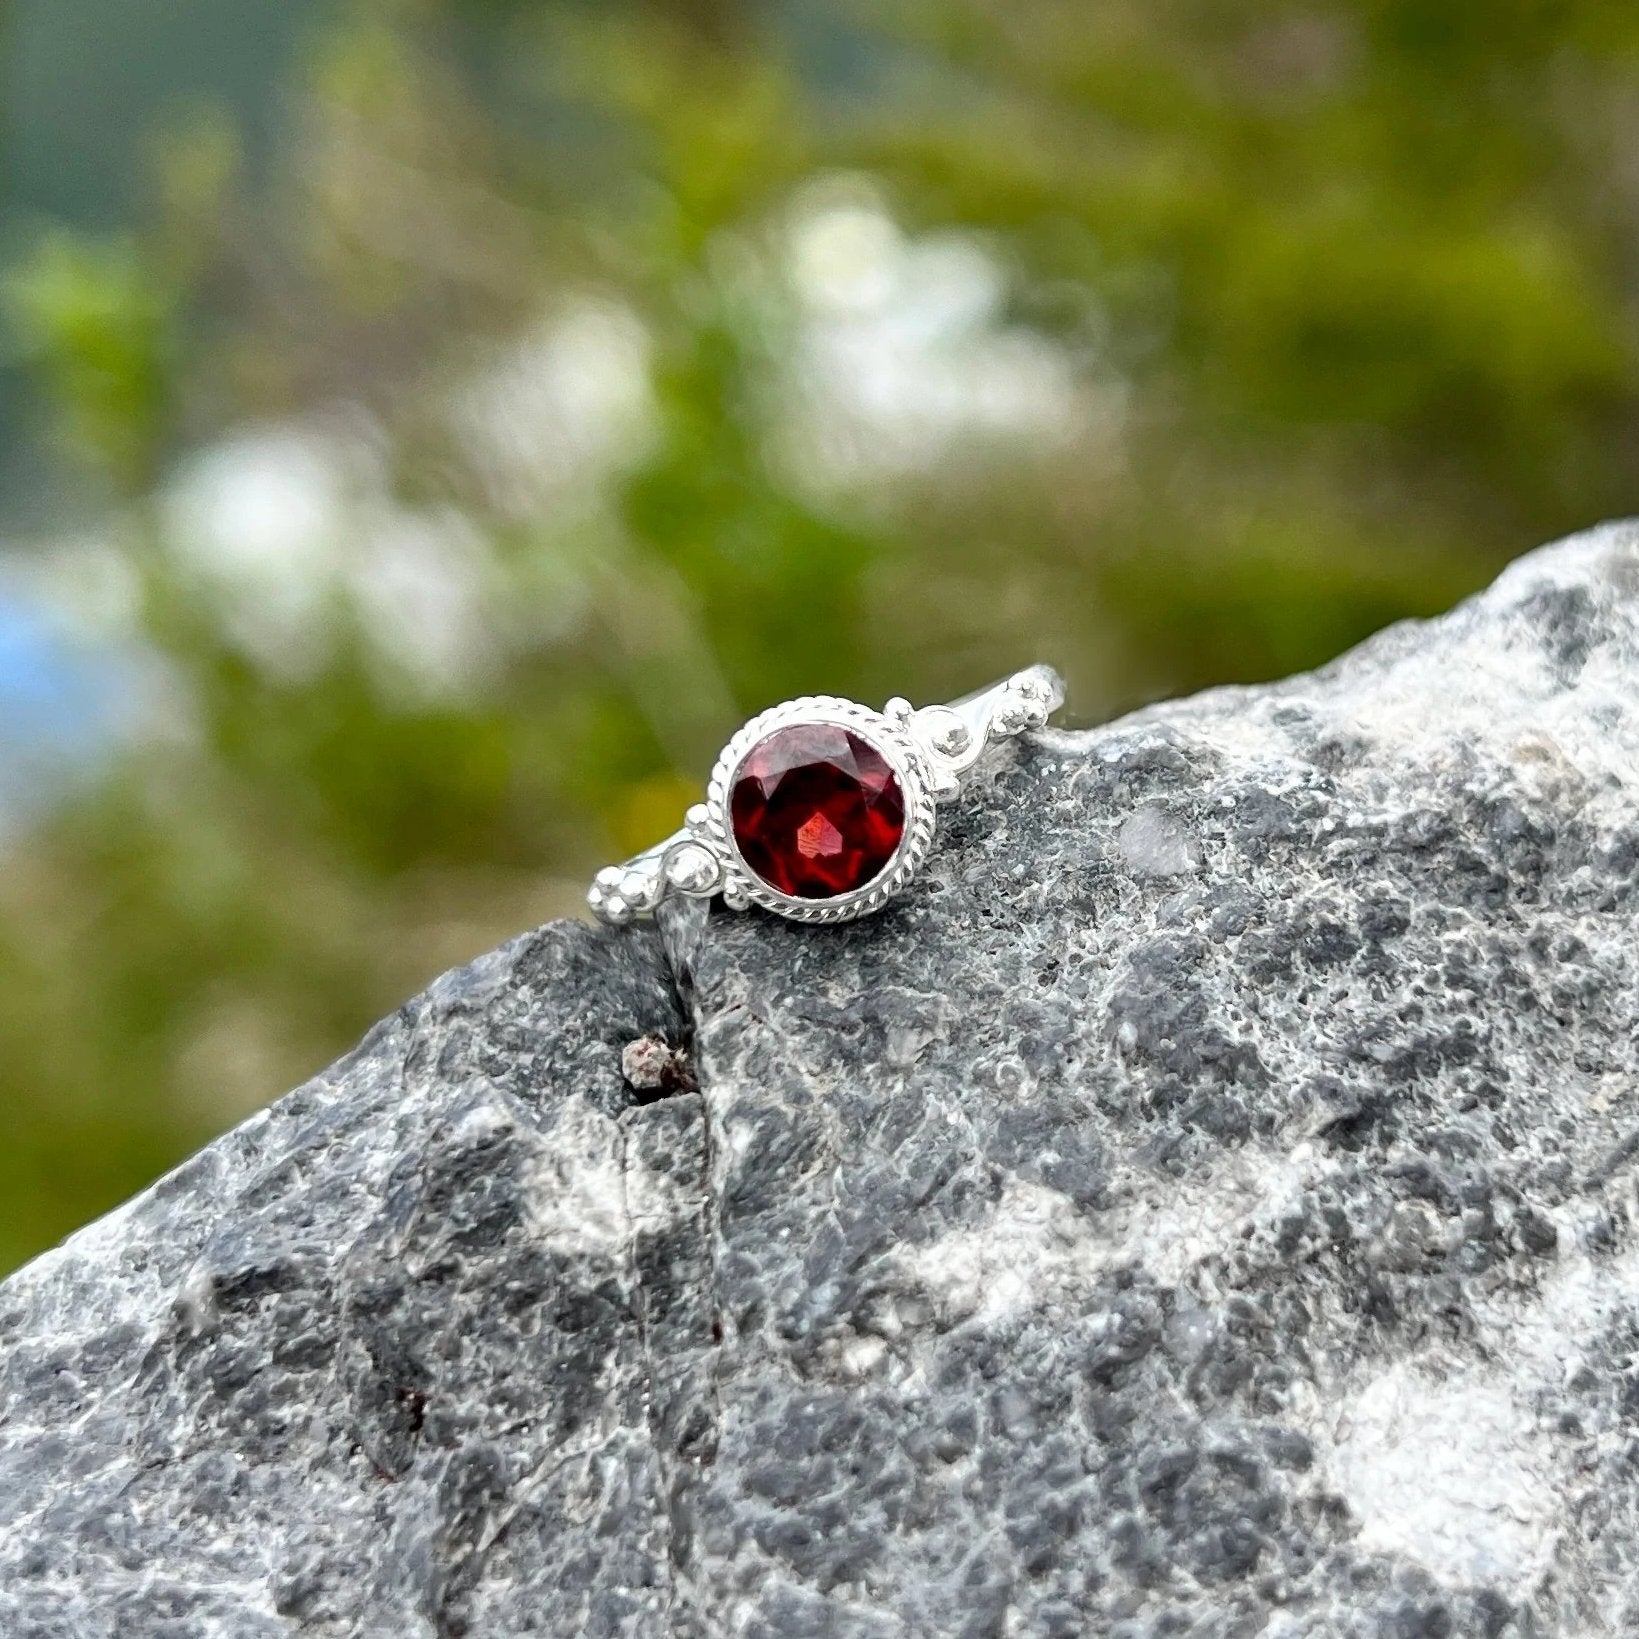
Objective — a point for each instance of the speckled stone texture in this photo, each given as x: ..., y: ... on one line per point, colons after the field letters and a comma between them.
x: 1204, y: 1205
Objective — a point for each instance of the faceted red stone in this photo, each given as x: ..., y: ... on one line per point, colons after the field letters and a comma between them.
x: 817, y: 810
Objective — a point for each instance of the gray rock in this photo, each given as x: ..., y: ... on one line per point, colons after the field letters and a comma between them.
x: 1203, y: 1205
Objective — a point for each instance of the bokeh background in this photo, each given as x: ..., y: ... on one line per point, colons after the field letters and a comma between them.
x: 427, y: 427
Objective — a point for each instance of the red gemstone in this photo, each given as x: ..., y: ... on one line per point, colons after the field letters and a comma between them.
x: 817, y: 810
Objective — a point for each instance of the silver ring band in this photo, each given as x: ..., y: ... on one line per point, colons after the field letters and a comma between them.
x: 821, y: 809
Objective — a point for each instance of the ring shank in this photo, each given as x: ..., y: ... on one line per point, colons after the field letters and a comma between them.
x: 984, y: 712
x: 951, y: 739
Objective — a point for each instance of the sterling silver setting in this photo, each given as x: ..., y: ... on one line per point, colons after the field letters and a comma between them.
x: 931, y: 750
x: 891, y: 736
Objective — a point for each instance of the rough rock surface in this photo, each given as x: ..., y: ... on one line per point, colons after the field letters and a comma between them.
x: 1204, y: 1205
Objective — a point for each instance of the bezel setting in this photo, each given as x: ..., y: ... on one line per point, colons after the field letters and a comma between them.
x: 742, y: 886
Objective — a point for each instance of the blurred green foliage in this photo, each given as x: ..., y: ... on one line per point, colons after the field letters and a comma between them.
x: 573, y: 380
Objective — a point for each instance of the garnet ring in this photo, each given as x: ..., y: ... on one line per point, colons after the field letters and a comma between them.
x: 821, y: 809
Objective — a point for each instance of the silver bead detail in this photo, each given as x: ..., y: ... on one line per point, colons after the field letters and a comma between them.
x: 692, y: 869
